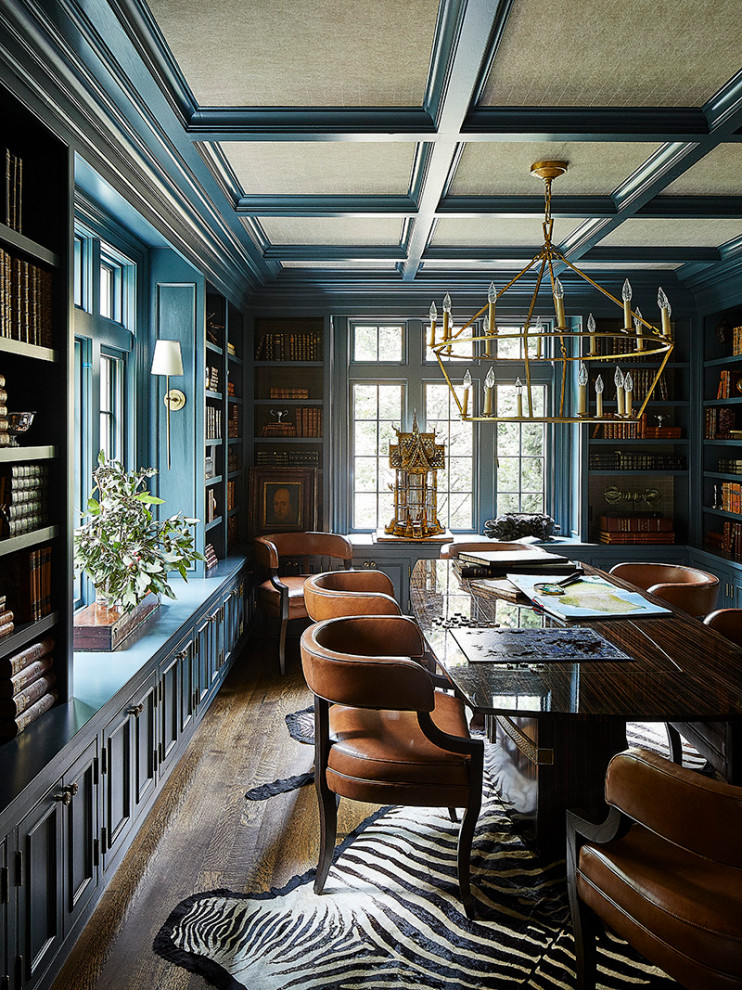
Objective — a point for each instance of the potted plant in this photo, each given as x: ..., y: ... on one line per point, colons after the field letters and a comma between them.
x: 126, y: 551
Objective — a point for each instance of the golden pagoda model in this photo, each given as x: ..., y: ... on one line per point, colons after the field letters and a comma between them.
x: 416, y: 459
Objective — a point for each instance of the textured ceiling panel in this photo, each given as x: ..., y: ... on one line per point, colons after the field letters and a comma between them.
x: 503, y: 169
x: 603, y: 53
x: 673, y: 233
x: 718, y: 174
x: 496, y: 232
x: 333, y: 230
x: 323, y: 53
x: 321, y: 169
x: 353, y: 266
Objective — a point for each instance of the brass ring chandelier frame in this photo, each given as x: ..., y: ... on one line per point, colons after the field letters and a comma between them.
x: 648, y: 340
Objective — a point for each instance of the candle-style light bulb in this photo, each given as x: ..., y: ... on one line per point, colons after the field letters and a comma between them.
x: 591, y: 331
x: 447, y: 304
x: 538, y: 329
x: 582, y: 391
x: 487, y: 338
x: 467, y: 387
x: 519, y: 398
x: 559, y: 302
x: 639, y: 329
x: 666, y: 310
x: 626, y: 294
x: 618, y: 381
x: 433, y: 314
x: 599, y: 396
x: 447, y: 329
x: 489, y: 386
x: 628, y: 390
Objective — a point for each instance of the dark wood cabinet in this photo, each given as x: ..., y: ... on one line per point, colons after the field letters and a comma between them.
x: 81, y: 825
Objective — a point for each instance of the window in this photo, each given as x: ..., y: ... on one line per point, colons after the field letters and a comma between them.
x: 375, y: 410
x: 111, y: 406
x: 490, y: 467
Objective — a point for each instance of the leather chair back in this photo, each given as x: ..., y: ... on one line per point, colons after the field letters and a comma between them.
x: 337, y: 593
x: 692, y: 590
x: 449, y: 550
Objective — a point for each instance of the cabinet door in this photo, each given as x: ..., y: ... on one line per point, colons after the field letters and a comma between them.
x: 202, y: 667
x: 118, y: 782
x: 143, y: 710
x: 81, y: 833
x: 169, y: 706
x: 39, y: 880
x: 5, y: 920
x: 187, y: 662
x: 396, y: 571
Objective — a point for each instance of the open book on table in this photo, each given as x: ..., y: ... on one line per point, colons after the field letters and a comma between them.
x: 592, y: 597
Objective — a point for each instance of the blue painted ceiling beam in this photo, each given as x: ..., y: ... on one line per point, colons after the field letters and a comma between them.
x: 334, y: 252
x: 325, y: 206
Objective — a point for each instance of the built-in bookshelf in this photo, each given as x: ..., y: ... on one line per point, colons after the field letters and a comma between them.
x: 35, y: 543
x: 289, y: 402
x: 638, y: 481
x: 224, y: 434
x: 722, y: 434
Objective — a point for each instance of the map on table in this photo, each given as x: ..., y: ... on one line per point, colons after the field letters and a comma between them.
x: 591, y: 597
x: 535, y: 646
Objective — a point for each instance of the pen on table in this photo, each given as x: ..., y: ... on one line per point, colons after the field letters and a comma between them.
x: 571, y: 579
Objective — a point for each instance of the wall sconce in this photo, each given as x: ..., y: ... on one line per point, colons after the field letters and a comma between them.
x: 168, y: 360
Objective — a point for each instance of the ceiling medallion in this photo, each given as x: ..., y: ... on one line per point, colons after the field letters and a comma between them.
x: 569, y: 347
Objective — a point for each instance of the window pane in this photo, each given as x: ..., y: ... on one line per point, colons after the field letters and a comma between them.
x: 373, y: 342
x: 455, y: 511
x: 106, y: 291
x: 390, y: 343
x: 364, y: 344
x: 111, y: 406
x: 375, y: 410
x: 520, y: 455
x: 78, y: 271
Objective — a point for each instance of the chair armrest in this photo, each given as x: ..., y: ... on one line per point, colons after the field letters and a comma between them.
x: 266, y: 553
x: 684, y: 807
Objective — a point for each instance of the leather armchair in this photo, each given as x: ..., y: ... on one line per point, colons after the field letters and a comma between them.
x: 685, y: 587
x: 337, y: 593
x: 664, y: 871
x: 720, y: 743
x: 281, y: 595
x: 383, y: 734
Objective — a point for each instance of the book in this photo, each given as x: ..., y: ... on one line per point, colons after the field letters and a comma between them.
x: 515, y: 559
x: 499, y: 587
x: 591, y: 597
x: 10, y: 727
x: 10, y: 666
x: 12, y: 685
x: 23, y: 700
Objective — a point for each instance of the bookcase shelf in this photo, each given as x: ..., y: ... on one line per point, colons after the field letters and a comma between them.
x: 35, y: 269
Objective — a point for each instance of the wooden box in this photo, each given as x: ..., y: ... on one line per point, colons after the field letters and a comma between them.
x: 98, y: 628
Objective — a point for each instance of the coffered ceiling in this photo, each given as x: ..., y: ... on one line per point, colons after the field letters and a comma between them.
x: 395, y: 138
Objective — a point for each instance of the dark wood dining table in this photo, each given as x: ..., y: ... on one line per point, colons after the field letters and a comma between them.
x: 558, y: 723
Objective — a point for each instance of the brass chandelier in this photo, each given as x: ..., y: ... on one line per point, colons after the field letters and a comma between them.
x: 553, y: 342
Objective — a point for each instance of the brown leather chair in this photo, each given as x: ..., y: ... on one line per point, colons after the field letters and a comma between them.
x: 336, y: 593
x: 288, y: 558
x: 664, y: 871
x: 383, y: 734
x: 720, y: 743
x: 452, y: 550
x: 686, y: 587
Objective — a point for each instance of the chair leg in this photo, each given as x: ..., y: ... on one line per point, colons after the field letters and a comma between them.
x: 452, y: 814
x: 327, y: 801
x: 282, y: 646
x: 675, y: 743
x: 466, y: 832
x: 585, y: 925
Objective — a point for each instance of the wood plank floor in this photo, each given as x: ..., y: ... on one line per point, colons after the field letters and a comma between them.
x: 202, y: 834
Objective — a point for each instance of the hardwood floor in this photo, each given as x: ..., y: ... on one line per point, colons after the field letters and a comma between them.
x: 202, y: 834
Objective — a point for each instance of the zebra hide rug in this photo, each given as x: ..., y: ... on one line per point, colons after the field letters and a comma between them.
x: 390, y: 917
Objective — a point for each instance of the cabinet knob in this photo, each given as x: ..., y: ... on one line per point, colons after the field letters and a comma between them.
x: 135, y: 709
x: 65, y: 797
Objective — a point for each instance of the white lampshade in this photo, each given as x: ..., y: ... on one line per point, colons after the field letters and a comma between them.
x: 167, y: 359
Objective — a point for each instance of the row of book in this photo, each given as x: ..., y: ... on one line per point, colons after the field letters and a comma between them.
x: 233, y: 532
x: 234, y: 459
x: 611, y: 343
x: 729, y: 540
x: 731, y: 496
x: 308, y: 421
x: 736, y: 341
x: 13, y: 191
x: 5, y: 438
x: 233, y: 423
x: 288, y: 392
x: 27, y: 682
x: 231, y: 495
x: 279, y: 346
x: 280, y: 429
x: 7, y: 618
x: 718, y: 422
x: 306, y: 457
x: 23, y: 498
x: 730, y: 465
x: 730, y: 384
x: 212, y: 378
x: 607, y: 536
x: 636, y: 522
x: 621, y: 430
x: 25, y: 301
x: 213, y: 423
x: 211, y: 558
x: 643, y: 379
x: 25, y: 584
x: 618, y: 460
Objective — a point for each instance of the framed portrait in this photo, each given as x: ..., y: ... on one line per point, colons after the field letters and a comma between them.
x: 282, y: 500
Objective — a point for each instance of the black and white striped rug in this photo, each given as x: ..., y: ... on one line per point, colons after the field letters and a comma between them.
x: 390, y: 917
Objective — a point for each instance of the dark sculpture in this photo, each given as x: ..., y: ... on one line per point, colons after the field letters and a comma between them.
x: 514, y: 525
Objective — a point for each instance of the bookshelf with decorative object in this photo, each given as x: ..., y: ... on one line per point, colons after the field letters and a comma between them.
x: 290, y: 397
x: 638, y: 480
x: 35, y: 512
x: 223, y: 426
x: 721, y: 432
